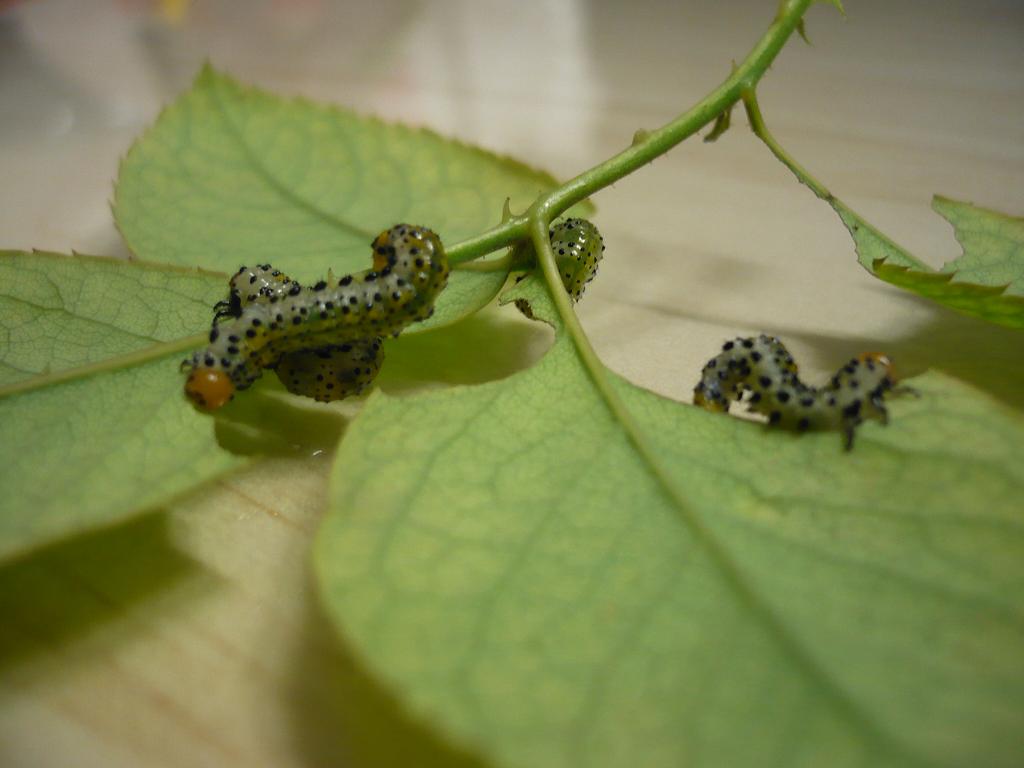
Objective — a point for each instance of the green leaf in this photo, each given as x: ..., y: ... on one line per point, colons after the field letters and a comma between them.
x: 104, y: 433
x: 98, y: 449
x: 872, y: 245
x: 233, y: 175
x: 95, y: 428
x: 986, y: 281
x: 982, y: 301
x: 59, y: 312
x: 993, y: 245
x: 465, y: 293
x: 504, y: 560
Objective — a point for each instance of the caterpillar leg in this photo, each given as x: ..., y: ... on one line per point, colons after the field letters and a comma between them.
x: 331, y: 373
x: 849, y: 430
x: 878, y: 406
x: 254, y: 284
x: 230, y: 307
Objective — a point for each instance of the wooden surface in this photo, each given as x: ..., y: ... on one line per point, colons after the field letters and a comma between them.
x: 192, y: 637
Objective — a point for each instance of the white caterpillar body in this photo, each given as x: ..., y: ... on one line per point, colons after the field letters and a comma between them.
x: 249, y: 285
x: 764, y: 368
x: 332, y: 329
x: 327, y: 373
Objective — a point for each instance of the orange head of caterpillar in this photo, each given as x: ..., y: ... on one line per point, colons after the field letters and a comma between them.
x: 875, y: 360
x: 208, y: 388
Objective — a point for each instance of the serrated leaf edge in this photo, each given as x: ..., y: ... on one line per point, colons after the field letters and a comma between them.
x: 209, y: 76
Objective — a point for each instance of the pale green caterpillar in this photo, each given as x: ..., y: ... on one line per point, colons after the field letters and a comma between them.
x: 324, y: 340
x: 578, y: 247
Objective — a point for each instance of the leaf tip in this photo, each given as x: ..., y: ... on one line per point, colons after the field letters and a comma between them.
x: 941, y: 204
x: 206, y: 72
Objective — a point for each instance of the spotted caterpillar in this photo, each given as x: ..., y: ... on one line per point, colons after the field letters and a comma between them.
x: 764, y: 368
x: 325, y: 340
x: 578, y: 247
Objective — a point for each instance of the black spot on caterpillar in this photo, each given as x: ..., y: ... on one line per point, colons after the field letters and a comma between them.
x: 324, y: 340
x: 578, y: 248
x: 764, y: 368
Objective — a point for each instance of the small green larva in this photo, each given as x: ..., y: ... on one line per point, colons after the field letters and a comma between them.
x: 332, y: 329
x: 578, y: 248
x: 763, y: 367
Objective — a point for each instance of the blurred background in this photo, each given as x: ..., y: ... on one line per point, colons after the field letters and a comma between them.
x: 226, y: 661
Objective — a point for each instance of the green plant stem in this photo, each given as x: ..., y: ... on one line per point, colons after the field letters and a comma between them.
x: 588, y: 356
x: 503, y: 264
x: 539, y: 218
x: 650, y: 146
x: 850, y: 218
x: 757, y: 125
x: 740, y: 84
x: 504, y: 234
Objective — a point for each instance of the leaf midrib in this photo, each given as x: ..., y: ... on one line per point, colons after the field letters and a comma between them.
x: 130, y: 359
x: 761, y: 611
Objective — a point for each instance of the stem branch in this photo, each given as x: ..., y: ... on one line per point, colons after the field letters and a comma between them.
x: 540, y: 215
x: 757, y: 125
x: 511, y: 260
x: 853, y: 221
x: 654, y: 144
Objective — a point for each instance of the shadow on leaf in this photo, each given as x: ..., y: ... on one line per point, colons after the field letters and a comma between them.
x: 490, y: 345
x: 266, y: 421
x: 342, y: 716
x: 983, y: 354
